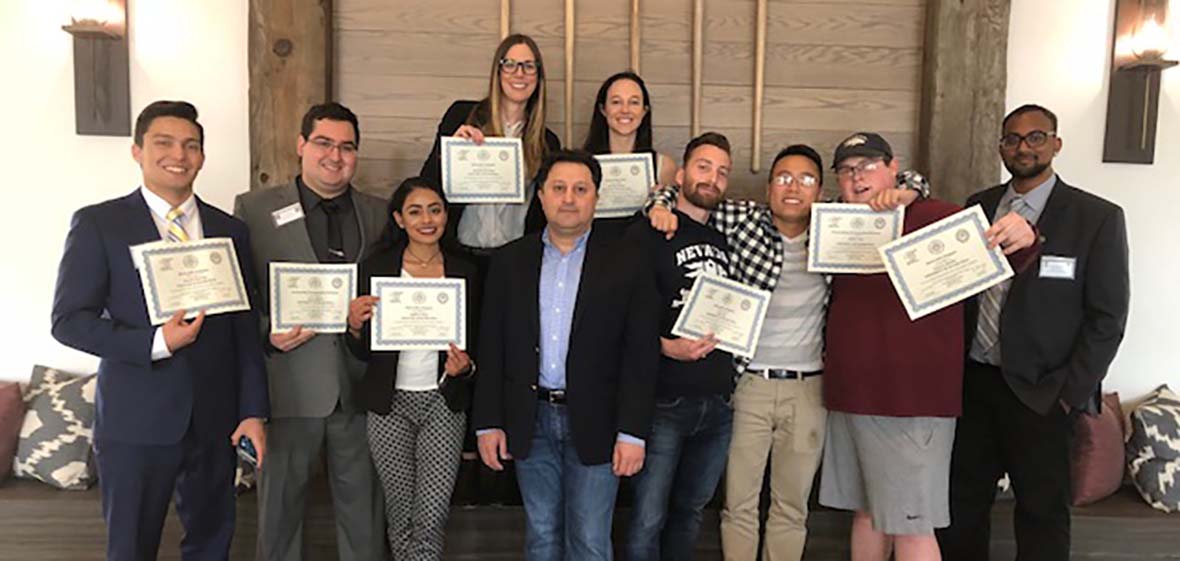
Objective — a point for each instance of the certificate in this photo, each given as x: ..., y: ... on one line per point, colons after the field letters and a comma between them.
x: 312, y: 295
x: 492, y: 172
x: 191, y: 276
x: 419, y: 314
x: 944, y: 263
x: 731, y: 311
x: 844, y: 238
x: 626, y: 181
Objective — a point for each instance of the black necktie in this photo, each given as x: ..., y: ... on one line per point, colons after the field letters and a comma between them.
x: 335, y: 235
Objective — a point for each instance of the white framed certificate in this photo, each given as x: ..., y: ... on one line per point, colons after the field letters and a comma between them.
x: 312, y: 295
x: 730, y: 310
x: 492, y: 172
x: 418, y: 314
x: 844, y: 238
x: 626, y: 181
x: 191, y: 276
x: 944, y: 263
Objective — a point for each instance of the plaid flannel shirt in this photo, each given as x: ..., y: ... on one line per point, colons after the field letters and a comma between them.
x: 755, y: 244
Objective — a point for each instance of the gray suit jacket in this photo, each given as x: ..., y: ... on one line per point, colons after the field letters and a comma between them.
x: 309, y: 380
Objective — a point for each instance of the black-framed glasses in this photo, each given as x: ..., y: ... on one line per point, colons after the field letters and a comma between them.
x: 804, y: 180
x: 865, y: 166
x: 509, y: 66
x: 1034, y: 139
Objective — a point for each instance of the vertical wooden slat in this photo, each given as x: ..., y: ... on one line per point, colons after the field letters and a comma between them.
x: 505, y: 18
x: 759, y: 85
x: 569, y: 72
x: 698, y: 24
x: 635, y: 29
x: 290, y: 45
x: 965, y: 81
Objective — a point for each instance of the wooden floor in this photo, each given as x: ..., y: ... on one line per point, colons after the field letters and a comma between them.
x: 41, y: 524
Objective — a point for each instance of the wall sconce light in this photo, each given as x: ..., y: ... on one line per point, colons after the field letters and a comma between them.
x: 1141, y: 43
x: 102, y: 83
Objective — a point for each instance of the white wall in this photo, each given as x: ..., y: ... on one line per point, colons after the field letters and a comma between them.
x: 179, y: 50
x: 1059, y: 57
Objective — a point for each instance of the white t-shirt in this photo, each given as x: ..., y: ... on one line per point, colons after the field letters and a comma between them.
x: 417, y: 371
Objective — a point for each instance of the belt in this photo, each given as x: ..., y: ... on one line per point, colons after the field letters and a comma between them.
x: 782, y: 374
x: 551, y: 396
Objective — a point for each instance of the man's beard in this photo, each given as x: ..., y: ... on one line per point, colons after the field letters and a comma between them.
x: 701, y: 200
x: 1024, y: 173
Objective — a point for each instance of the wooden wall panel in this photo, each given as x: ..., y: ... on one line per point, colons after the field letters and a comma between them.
x: 833, y: 67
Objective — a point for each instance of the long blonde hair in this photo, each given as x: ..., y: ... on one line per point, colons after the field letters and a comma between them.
x: 487, y: 115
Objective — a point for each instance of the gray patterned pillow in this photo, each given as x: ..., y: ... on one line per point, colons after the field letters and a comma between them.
x: 59, y: 426
x: 1153, y: 452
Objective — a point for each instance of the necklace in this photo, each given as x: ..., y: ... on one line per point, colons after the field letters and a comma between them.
x: 423, y: 262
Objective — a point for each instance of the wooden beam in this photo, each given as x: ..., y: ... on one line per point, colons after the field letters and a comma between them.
x: 635, y: 34
x: 698, y: 49
x: 569, y: 73
x: 965, y: 80
x: 290, y: 46
x: 759, y: 84
x: 505, y: 18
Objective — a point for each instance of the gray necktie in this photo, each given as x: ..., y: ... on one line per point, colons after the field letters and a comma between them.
x: 992, y: 300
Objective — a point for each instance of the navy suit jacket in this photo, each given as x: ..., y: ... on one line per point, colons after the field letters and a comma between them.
x: 98, y: 308
x: 1059, y: 336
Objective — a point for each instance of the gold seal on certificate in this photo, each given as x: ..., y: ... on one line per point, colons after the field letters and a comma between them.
x: 191, y: 276
x: 731, y: 311
x: 419, y: 314
x: 492, y: 172
x: 626, y: 181
x: 312, y: 295
x: 944, y: 263
x: 844, y: 238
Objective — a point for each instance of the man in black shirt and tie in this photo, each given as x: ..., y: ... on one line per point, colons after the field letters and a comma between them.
x: 319, y: 218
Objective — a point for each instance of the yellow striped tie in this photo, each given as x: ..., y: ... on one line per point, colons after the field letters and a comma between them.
x: 176, y: 231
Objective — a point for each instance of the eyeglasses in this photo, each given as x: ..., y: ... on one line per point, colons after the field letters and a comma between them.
x: 864, y: 167
x: 1034, y: 139
x: 509, y: 66
x: 805, y: 180
x: 327, y: 145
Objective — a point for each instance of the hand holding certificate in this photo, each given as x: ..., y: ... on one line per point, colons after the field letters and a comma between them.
x: 626, y: 181
x: 731, y: 311
x: 312, y: 295
x: 844, y: 238
x: 193, y: 276
x: 944, y: 263
x: 491, y: 172
x: 419, y: 314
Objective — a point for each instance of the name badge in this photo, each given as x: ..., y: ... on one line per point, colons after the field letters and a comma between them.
x: 1056, y: 267
x: 287, y: 214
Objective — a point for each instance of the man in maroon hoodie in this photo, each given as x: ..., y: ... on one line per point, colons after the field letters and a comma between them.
x: 894, y: 386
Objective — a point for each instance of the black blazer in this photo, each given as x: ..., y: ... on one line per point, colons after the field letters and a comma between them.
x: 376, y: 388
x: 456, y: 116
x: 1059, y: 336
x: 614, y: 347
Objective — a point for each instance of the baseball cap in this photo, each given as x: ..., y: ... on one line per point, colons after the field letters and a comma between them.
x: 866, y: 144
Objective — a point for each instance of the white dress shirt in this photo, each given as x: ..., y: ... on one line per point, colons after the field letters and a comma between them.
x: 192, y: 226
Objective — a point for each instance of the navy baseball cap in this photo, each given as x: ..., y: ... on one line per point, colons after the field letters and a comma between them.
x: 867, y: 144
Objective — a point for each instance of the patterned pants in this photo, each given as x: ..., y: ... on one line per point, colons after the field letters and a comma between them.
x: 416, y: 451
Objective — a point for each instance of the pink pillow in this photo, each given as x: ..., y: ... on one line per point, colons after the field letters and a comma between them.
x: 12, y: 416
x: 1097, y: 459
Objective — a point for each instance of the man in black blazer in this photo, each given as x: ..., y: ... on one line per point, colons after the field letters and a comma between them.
x: 568, y: 357
x: 1038, y: 349
x: 174, y: 399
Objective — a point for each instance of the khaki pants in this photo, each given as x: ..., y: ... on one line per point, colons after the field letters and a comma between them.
x: 785, y: 420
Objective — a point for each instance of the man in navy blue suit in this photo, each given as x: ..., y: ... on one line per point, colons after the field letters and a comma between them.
x: 173, y: 400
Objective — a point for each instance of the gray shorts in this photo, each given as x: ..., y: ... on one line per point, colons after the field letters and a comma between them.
x: 897, y: 469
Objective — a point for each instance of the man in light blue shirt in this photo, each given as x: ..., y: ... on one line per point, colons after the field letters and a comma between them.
x: 567, y: 366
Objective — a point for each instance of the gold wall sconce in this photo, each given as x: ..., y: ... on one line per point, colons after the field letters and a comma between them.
x: 102, y: 77
x: 1142, y: 40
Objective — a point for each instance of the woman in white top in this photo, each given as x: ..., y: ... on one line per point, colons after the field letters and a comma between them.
x: 416, y: 399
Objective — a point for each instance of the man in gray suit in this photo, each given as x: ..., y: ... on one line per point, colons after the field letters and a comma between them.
x: 319, y: 218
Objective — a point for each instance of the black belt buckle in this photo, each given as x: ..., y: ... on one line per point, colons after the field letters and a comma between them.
x: 551, y: 396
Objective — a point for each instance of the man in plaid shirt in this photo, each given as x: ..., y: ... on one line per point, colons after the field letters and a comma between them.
x: 777, y: 403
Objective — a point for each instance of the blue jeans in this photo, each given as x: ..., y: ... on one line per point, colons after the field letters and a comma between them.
x: 567, y: 505
x: 686, y: 455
